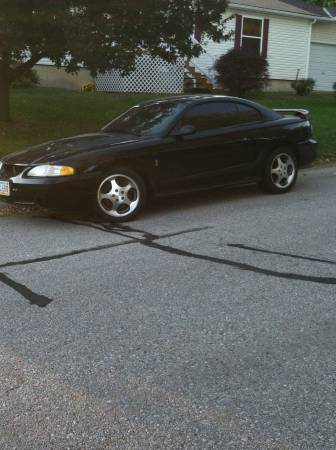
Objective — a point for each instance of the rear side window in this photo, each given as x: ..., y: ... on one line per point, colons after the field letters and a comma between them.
x: 247, y: 114
x: 210, y: 116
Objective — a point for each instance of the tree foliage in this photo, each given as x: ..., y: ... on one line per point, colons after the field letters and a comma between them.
x: 325, y: 3
x: 102, y: 34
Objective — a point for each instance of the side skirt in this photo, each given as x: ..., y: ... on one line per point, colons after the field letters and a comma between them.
x: 188, y: 190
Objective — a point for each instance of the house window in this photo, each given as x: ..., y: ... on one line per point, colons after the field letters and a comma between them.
x: 252, y: 35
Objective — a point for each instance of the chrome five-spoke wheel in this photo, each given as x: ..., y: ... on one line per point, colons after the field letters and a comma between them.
x: 283, y: 171
x: 120, y: 196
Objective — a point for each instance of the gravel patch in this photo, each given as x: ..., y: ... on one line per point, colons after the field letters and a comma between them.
x: 7, y: 209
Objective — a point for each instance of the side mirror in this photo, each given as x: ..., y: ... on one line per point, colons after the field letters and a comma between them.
x: 186, y: 130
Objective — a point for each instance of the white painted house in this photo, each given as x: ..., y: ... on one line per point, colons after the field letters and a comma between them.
x: 298, y: 39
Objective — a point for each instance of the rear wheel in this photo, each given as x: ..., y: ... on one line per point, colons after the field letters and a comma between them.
x: 281, y: 172
x: 121, y: 196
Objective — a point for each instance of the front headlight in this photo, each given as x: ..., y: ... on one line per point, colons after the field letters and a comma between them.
x: 51, y: 171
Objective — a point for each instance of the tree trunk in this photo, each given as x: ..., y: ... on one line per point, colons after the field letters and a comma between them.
x: 4, y: 98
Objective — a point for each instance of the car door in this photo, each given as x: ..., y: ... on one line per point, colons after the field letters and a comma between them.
x: 250, y: 143
x: 212, y: 153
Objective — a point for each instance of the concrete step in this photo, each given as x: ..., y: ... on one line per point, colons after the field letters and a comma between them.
x: 200, y: 79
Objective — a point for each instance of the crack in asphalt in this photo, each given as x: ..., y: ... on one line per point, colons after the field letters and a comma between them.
x: 42, y: 301
x: 242, y: 266
x: 149, y: 240
x: 33, y: 298
x: 26, y: 262
x: 288, y: 255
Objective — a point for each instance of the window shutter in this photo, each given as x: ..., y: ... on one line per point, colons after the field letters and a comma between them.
x: 265, y: 38
x: 198, y: 33
x: 198, y: 29
x: 239, y: 24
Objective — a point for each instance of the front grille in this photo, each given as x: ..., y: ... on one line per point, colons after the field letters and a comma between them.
x: 11, y: 170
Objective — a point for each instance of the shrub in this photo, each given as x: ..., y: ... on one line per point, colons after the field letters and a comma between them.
x: 334, y: 87
x: 29, y: 79
x: 88, y: 87
x: 304, y: 86
x: 240, y: 71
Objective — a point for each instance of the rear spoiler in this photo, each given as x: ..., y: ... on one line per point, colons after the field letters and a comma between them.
x: 302, y: 113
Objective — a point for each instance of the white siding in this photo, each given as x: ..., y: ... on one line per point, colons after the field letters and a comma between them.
x: 45, y: 62
x: 288, y: 45
x: 324, y: 32
x: 213, y: 50
x: 217, y: 49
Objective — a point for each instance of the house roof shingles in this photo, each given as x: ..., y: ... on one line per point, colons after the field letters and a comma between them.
x: 308, y: 7
x: 291, y: 6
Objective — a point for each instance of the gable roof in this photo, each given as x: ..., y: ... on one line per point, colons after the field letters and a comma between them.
x: 314, y: 9
x: 299, y: 7
x: 308, y: 7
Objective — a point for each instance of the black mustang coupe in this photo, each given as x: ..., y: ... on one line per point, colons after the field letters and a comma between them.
x: 162, y: 147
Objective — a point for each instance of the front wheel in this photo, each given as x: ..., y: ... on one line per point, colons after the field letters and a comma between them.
x: 281, y: 172
x: 121, y: 196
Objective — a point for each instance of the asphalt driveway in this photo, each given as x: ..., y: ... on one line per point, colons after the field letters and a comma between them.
x: 209, y: 323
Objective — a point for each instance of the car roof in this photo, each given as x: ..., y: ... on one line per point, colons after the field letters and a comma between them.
x: 186, y: 100
x: 191, y: 98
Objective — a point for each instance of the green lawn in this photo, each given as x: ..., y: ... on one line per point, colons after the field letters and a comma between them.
x: 42, y: 114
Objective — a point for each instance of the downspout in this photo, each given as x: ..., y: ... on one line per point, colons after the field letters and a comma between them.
x: 309, y: 46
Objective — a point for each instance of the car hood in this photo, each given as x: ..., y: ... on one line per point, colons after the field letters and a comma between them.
x: 62, y: 149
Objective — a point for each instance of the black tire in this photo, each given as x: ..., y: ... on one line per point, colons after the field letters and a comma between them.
x: 274, y: 183
x: 115, y: 208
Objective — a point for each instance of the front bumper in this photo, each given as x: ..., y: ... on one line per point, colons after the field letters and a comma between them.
x: 73, y: 191
x: 307, y: 152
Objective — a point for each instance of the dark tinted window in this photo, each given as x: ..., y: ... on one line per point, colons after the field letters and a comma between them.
x: 145, y: 120
x: 210, y: 116
x: 248, y: 114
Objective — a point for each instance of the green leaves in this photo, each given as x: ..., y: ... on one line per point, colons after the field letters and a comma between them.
x: 325, y: 3
x: 104, y: 34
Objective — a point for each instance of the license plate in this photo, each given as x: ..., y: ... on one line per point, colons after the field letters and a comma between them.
x: 4, y: 188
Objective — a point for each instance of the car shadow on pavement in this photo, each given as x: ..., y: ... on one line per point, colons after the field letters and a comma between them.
x: 162, y: 205
x: 192, y: 200
x: 222, y: 196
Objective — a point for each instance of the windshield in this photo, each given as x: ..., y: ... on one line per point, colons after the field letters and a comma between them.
x: 145, y: 120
